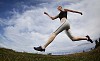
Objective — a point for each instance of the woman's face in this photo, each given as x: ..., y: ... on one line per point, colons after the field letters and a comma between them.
x: 59, y: 8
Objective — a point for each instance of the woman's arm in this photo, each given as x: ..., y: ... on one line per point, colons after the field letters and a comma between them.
x: 51, y: 16
x: 73, y: 11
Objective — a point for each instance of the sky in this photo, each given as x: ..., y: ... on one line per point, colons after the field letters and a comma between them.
x: 23, y: 25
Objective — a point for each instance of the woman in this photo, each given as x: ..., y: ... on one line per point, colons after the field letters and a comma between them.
x: 64, y: 26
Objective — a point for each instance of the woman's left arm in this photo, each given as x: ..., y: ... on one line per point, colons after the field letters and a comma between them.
x: 73, y: 11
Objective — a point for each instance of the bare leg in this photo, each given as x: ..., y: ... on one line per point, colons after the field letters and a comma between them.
x: 79, y: 38
x: 68, y: 32
x: 51, y: 38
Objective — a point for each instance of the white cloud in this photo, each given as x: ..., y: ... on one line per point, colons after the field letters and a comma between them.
x: 32, y: 28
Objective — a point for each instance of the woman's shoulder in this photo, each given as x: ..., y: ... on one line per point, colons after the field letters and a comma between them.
x: 65, y: 10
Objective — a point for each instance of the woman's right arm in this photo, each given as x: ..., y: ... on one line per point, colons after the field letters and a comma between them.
x: 51, y: 16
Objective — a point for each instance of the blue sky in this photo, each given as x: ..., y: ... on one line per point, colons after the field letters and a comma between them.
x: 9, y: 5
x: 23, y: 24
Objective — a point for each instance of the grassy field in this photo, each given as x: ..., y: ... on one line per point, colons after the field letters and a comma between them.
x: 10, y: 55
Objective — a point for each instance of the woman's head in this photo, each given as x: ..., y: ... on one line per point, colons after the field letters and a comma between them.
x: 59, y: 8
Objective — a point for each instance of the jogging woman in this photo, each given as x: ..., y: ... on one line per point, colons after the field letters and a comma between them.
x: 64, y: 26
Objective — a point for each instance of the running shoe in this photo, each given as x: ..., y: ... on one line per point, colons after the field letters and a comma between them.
x: 39, y: 49
x: 89, y: 39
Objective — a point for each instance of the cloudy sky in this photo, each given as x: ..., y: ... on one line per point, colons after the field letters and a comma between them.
x: 23, y: 24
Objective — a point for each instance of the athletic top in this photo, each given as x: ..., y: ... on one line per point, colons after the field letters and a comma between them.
x: 62, y: 14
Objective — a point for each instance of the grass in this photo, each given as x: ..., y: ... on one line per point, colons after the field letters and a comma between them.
x: 10, y: 55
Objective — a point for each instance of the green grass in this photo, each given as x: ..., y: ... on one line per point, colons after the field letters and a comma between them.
x: 10, y: 55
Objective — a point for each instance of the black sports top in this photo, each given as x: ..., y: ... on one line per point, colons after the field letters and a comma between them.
x: 62, y: 14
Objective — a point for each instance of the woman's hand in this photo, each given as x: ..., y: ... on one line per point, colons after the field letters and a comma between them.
x: 81, y: 13
x: 45, y: 13
x: 50, y: 16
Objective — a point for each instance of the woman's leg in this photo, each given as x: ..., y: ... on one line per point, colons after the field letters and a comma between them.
x: 51, y: 38
x: 74, y: 38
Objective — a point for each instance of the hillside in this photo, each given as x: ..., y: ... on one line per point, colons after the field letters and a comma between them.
x: 10, y: 55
